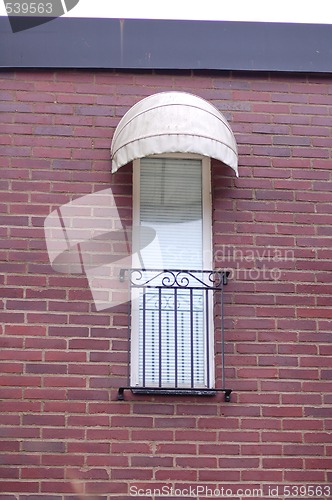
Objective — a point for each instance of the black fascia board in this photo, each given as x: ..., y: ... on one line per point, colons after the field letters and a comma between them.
x: 167, y: 44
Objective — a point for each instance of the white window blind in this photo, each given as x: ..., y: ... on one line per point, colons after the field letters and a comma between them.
x: 171, y: 203
x: 172, y: 342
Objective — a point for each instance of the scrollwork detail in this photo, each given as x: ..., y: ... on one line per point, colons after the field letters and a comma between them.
x: 166, y: 278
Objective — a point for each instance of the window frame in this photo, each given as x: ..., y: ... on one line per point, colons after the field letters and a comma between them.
x: 207, y: 247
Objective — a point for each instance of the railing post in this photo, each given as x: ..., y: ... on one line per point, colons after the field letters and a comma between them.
x: 222, y: 333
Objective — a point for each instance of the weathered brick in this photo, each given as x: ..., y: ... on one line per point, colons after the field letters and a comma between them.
x: 62, y: 361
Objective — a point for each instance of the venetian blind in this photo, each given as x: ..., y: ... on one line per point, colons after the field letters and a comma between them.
x: 172, y: 340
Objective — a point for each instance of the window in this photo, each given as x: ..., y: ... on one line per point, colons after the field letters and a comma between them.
x: 174, y: 294
x: 172, y: 327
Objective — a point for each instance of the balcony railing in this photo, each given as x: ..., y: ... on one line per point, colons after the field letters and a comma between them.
x: 173, y: 315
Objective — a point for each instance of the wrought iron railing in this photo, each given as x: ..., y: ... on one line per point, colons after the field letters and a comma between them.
x: 172, y: 319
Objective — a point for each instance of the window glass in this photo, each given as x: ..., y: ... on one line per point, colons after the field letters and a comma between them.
x: 170, y: 324
x: 171, y: 203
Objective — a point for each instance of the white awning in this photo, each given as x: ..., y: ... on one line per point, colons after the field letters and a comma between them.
x: 173, y: 122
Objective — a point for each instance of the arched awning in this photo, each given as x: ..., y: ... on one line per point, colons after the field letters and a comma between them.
x: 173, y: 122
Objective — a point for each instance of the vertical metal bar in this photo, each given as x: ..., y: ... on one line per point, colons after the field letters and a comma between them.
x: 176, y: 335
x: 129, y: 328
x: 144, y: 335
x: 207, y: 325
x: 222, y: 336
x: 192, y: 337
x: 160, y: 339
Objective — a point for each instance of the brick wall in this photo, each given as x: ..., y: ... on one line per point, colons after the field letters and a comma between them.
x: 63, y: 430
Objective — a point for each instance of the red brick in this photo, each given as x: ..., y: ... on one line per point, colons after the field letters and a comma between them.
x: 217, y: 449
x: 304, y: 476
x: 304, y: 424
x: 42, y: 473
x: 113, y: 435
x: 64, y: 382
x: 88, y: 369
x: 12, y: 367
x: 197, y: 462
x: 280, y: 437
x: 62, y: 460
x: 261, y: 449
x: 318, y: 463
x: 19, y: 486
x: 283, y: 463
x: 45, y: 318
x: 146, y: 409
x: 92, y: 319
x: 219, y: 475
x: 21, y: 355
x: 9, y: 473
x: 43, y: 446
x: 317, y: 412
x: 281, y: 386
x: 88, y: 420
x: 89, y: 344
x: 45, y: 394
x: 317, y: 437
x: 132, y: 474
x: 301, y: 399
x: 85, y: 447
x: 11, y: 446
x: 173, y: 421
x: 130, y: 448
x: 168, y: 475
x: 216, y: 423
x: 10, y: 420
x: 62, y: 433
x: 270, y: 476
x: 131, y: 421
x: 258, y: 372
x: 43, y: 420
x: 20, y: 381
x: 46, y: 368
x: 238, y: 436
x: 314, y: 313
x: 56, y: 487
x: 68, y: 331
x: 63, y: 361
x: 296, y: 373
x: 255, y: 423
x: 151, y: 461
x: 72, y: 357
x: 110, y: 381
x: 303, y: 450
